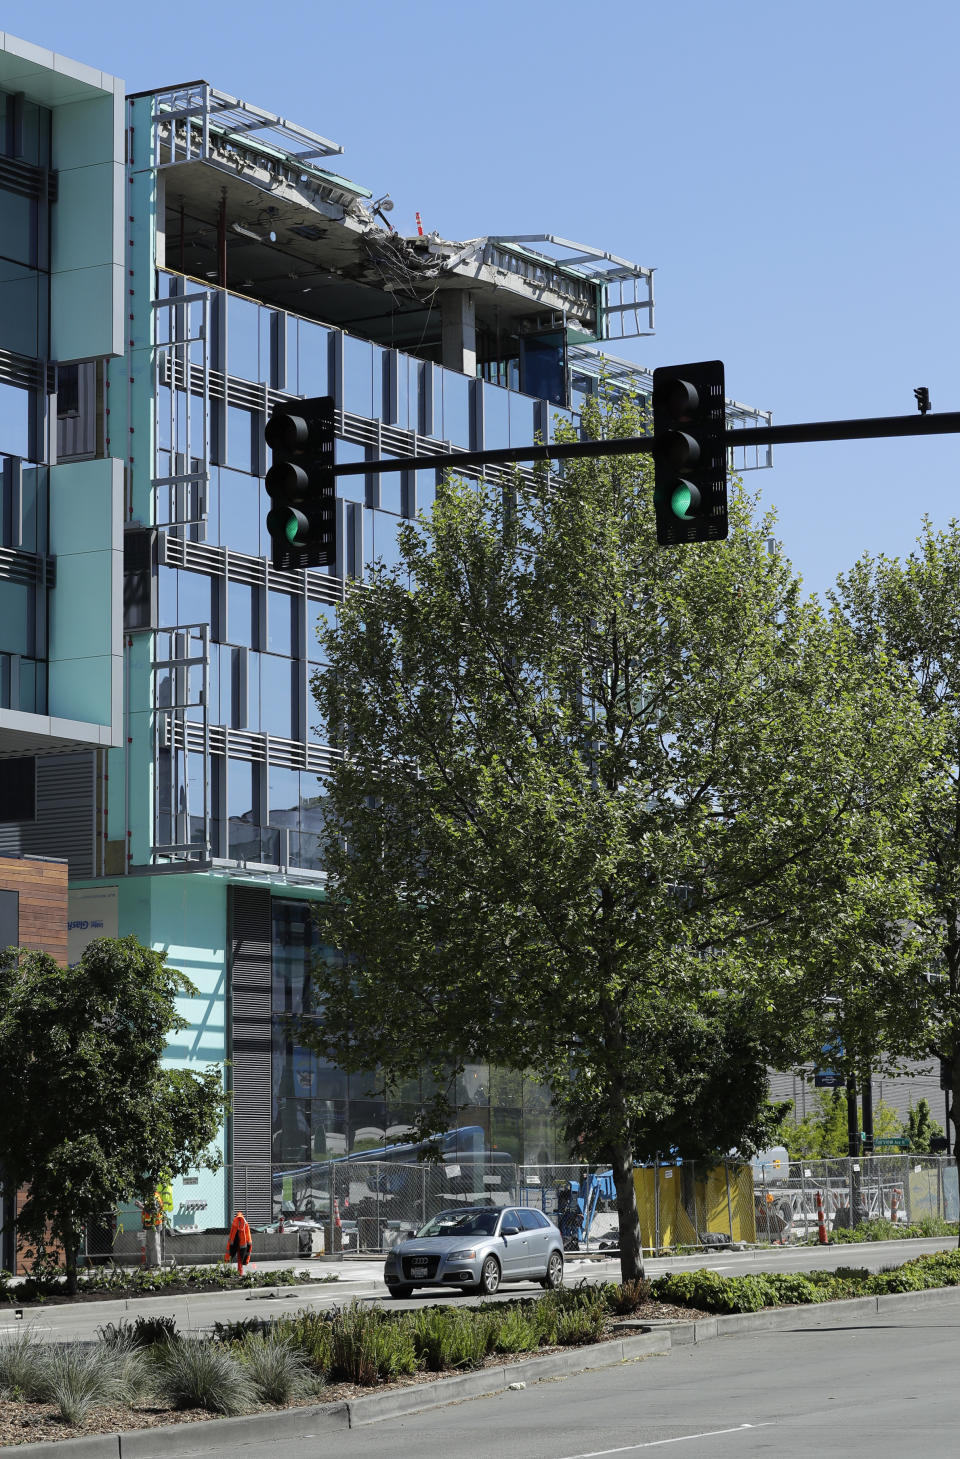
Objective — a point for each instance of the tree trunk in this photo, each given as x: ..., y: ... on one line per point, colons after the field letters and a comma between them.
x: 70, y: 1255
x: 628, y: 1218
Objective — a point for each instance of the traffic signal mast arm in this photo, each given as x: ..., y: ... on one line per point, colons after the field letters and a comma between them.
x: 948, y: 422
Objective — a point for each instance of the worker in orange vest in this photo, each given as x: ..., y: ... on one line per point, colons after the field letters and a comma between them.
x: 239, y: 1242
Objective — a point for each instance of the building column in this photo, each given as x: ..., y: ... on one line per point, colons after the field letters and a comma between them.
x: 458, y: 317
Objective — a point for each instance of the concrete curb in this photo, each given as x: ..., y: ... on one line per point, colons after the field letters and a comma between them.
x: 658, y: 1337
x: 176, y: 1440
x: 787, y: 1319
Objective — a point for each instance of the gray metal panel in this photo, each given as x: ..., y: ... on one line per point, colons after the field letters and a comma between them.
x: 66, y: 815
x: 250, y: 1045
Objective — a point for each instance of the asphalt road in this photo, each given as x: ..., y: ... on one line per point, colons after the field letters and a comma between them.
x: 859, y: 1390
x: 363, y: 1280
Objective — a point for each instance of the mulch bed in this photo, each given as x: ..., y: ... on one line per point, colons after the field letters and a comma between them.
x: 31, y: 1423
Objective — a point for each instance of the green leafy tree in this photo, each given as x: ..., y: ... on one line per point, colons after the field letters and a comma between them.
x: 910, y: 611
x: 593, y: 790
x: 920, y: 1127
x: 90, y: 1117
x: 823, y: 1132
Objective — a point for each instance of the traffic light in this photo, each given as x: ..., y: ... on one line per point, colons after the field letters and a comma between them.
x: 689, y: 453
x: 302, y: 516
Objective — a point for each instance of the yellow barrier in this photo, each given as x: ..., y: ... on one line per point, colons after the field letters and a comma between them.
x: 678, y: 1204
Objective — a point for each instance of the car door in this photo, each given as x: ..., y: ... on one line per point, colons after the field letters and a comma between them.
x: 537, y: 1232
x: 512, y: 1250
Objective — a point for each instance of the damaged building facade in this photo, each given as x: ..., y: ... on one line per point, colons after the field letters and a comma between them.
x: 172, y: 264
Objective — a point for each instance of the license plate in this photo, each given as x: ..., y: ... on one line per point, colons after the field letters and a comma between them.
x: 418, y: 1268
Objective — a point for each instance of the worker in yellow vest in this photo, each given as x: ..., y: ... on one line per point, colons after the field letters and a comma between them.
x: 239, y: 1242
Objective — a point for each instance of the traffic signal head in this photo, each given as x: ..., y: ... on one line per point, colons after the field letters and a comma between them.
x: 301, y: 520
x: 689, y: 453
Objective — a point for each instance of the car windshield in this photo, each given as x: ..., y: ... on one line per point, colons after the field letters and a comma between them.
x: 461, y: 1223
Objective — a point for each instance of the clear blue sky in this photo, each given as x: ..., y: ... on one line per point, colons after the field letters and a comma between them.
x: 790, y: 170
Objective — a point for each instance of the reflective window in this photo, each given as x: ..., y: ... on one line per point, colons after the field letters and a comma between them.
x: 456, y: 408
x: 318, y: 614
x: 496, y: 416
x: 314, y: 359
x: 33, y: 488
x: 241, y: 811
x: 284, y: 792
x: 18, y: 228
x: 350, y: 488
x: 406, y: 393
x: 35, y: 134
x: 15, y: 420
x: 522, y: 419
x: 391, y: 490
x: 23, y: 309
x: 240, y: 438
x: 426, y: 490
x: 17, y: 618
x: 357, y: 376
x: 282, y: 618
x: 242, y: 614
x: 243, y: 504
x: 243, y: 339
x: 194, y: 597
x: 277, y: 696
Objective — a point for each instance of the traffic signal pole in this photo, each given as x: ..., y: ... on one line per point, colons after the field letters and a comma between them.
x: 946, y: 423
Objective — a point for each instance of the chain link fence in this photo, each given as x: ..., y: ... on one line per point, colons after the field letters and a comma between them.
x: 352, y: 1207
x: 902, y: 1188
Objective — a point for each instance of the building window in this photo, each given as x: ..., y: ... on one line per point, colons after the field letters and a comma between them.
x: 18, y: 790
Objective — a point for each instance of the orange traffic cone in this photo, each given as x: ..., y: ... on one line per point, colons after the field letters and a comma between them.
x: 821, y: 1221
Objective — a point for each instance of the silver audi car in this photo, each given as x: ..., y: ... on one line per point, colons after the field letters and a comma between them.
x: 476, y: 1248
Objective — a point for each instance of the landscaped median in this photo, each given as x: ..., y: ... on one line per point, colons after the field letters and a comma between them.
x: 105, y: 1284
x: 311, y: 1370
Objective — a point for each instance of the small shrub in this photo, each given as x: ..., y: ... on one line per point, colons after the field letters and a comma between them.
x: 242, y: 1328
x: 449, y: 1338
x: 367, y: 1346
x: 581, y: 1325
x: 75, y: 1379
x: 196, y: 1373
x: 312, y: 1333
x: 19, y: 1359
x: 628, y: 1297
x: 142, y: 1333
x: 278, y: 1369
x: 517, y: 1331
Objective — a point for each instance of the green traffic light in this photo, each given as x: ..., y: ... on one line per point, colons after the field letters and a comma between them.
x: 685, y: 501
x: 292, y: 530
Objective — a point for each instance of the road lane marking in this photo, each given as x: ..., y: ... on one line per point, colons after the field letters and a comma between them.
x: 680, y: 1439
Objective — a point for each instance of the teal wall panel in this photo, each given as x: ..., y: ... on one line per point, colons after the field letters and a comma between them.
x: 186, y: 917
x: 86, y: 607
x: 87, y: 229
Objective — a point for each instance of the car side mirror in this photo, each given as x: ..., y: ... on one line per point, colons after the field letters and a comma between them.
x: 509, y: 1230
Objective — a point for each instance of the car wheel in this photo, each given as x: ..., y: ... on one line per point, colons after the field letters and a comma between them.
x: 489, y: 1277
x: 554, y: 1276
x: 401, y: 1291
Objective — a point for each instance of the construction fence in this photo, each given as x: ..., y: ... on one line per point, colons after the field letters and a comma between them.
x: 906, y: 1189
x: 348, y: 1207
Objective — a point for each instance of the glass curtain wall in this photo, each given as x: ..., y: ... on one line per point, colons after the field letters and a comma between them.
x: 24, y: 347
x: 262, y: 640
x: 320, y: 1112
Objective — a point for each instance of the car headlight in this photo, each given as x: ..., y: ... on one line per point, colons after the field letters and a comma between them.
x: 468, y: 1254
x: 391, y: 1259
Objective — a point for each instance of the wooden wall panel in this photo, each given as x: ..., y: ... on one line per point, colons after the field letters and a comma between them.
x: 42, y: 887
